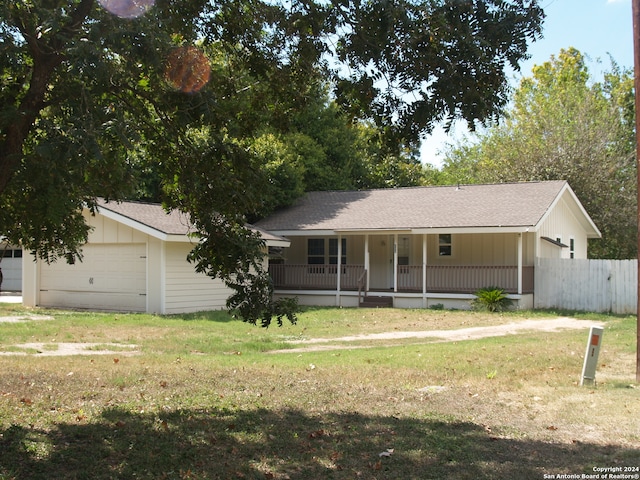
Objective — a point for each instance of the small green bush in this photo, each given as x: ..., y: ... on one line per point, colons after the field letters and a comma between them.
x: 491, y: 299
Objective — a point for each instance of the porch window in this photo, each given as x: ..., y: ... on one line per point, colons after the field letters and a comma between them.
x: 318, y: 254
x: 315, y: 251
x: 333, y: 251
x: 444, y: 244
x: 403, y: 251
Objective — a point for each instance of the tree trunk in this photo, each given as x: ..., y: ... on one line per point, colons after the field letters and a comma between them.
x: 47, y: 56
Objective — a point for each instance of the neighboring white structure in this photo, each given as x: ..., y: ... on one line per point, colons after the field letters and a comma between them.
x: 11, y: 265
x: 135, y: 260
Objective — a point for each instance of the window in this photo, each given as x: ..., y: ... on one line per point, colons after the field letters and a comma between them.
x: 572, y: 248
x: 403, y: 251
x: 444, y: 244
x: 315, y: 251
x: 321, y: 251
x: 333, y: 251
x: 276, y: 255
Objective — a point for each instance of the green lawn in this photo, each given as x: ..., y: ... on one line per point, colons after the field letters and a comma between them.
x: 204, y: 396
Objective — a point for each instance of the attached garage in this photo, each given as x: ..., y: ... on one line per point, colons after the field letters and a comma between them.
x: 110, y: 276
x: 135, y: 260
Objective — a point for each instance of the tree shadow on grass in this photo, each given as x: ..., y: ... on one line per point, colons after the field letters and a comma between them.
x: 260, y: 443
x: 218, y: 316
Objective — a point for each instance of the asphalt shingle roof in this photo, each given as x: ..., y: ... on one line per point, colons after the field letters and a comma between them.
x: 153, y: 215
x: 496, y: 205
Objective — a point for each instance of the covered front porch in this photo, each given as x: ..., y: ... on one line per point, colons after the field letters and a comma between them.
x: 420, y: 270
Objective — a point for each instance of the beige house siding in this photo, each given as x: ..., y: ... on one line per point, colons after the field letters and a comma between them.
x: 189, y: 291
x: 467, y: 249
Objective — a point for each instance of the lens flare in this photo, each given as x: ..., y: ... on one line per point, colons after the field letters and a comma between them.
x: 187, y: 69
x: 127, y: 8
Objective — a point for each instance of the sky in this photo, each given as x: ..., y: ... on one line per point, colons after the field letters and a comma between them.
x: 597, y: 28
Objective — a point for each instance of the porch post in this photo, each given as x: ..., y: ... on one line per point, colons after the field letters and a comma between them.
x: 367, y: 259
x: 395, y: 262
x: 520, y: 264
x: 424, y: 270
x: 338, y: 270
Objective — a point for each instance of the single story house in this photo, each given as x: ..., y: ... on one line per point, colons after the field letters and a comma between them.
x: 424, y: 246
x: 135, y: 260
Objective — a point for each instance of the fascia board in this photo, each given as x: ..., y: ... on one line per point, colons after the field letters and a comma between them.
x: 302, y: 233
x: 427, y: 230
x: 278, y: 243
x: 458, y: 230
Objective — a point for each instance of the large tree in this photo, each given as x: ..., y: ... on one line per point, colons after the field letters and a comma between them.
x: 562, y: 125
x: 92, y: 91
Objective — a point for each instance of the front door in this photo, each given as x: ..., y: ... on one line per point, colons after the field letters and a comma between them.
x: 381, y: 262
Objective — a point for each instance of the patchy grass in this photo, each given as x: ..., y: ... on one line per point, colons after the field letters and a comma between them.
x: 205, y: 399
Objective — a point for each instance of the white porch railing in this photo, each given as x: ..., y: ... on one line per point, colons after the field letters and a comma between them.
x: 315, y: 277
x: 452, y: 279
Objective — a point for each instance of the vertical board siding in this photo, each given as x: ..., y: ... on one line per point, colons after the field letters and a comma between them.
x: 588, y: 285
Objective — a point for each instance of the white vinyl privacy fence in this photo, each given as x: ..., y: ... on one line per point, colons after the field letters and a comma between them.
x: 588, y: 285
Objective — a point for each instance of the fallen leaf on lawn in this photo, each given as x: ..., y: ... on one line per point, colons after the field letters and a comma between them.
x: 116, y: 360
x: 26, y: 401
x: 552, y: 427
x: 317, y: 434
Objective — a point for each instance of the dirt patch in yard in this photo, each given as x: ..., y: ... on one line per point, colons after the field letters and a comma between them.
x: 461, y: 334
x: 56, y: 349
x: 24, y: 318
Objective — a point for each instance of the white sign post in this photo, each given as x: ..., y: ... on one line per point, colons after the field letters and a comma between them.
x: 591, y: 355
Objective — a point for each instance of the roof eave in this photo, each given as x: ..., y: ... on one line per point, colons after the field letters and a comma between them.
x: 141, y: 227
x: 420, y: 230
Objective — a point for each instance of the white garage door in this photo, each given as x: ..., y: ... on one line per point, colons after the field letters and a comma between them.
x: 11, y: 266
x: 110, y: 277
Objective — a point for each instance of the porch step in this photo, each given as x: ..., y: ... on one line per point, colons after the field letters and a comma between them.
x: 376, y: 302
